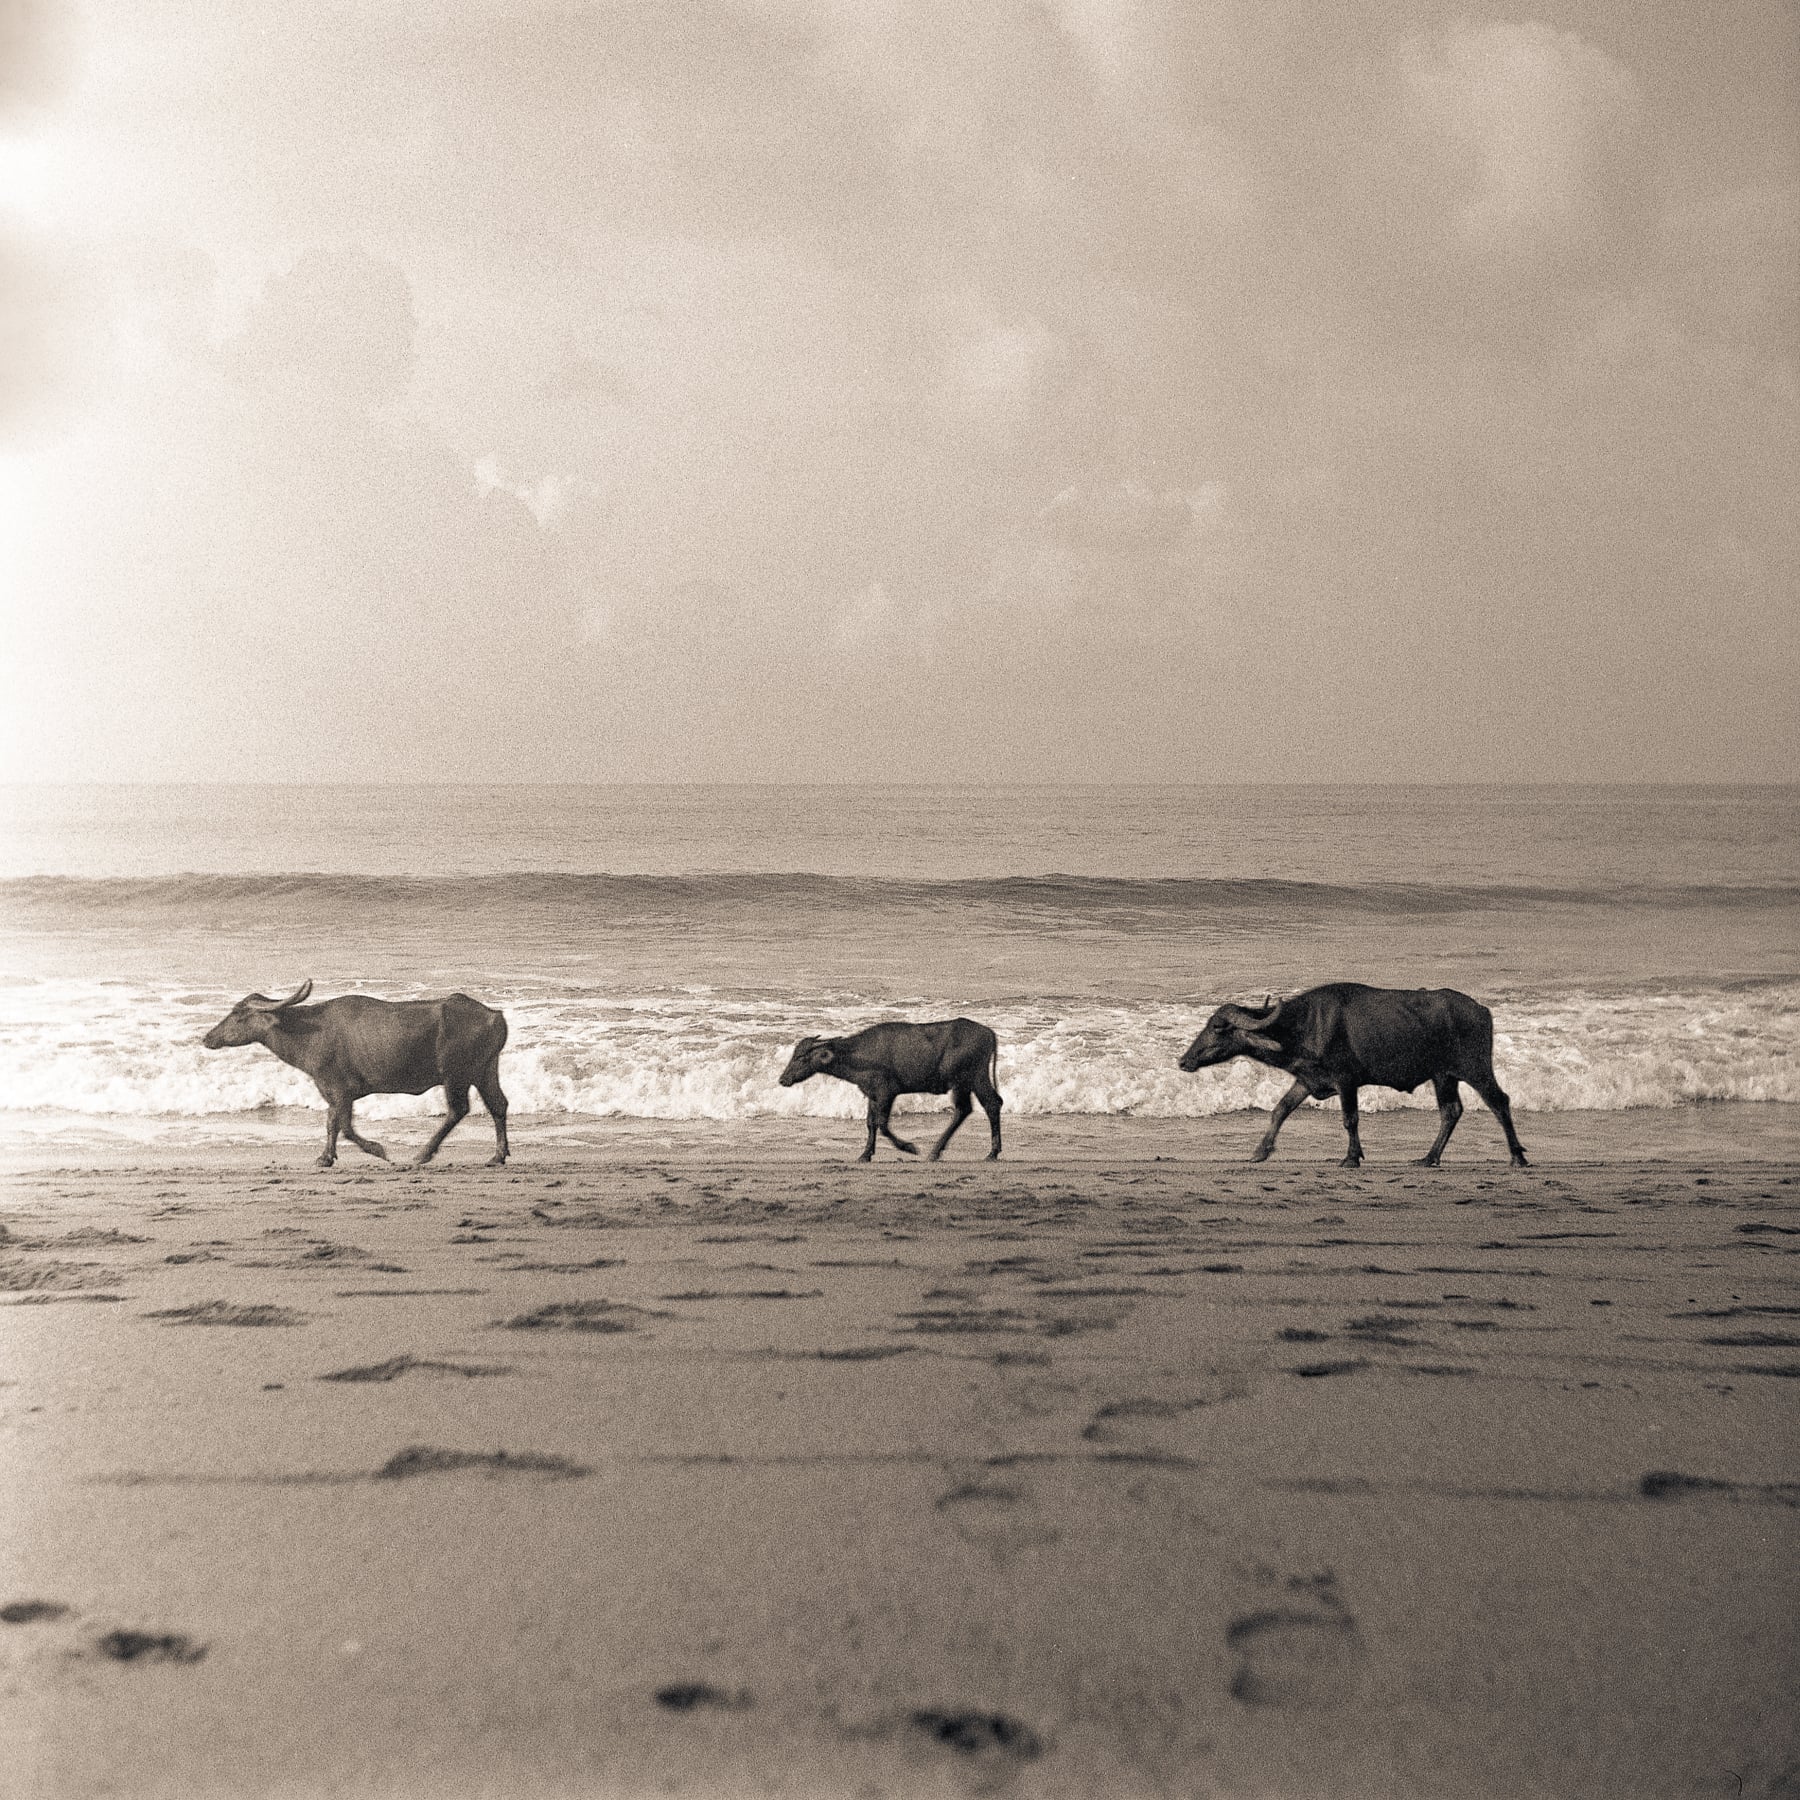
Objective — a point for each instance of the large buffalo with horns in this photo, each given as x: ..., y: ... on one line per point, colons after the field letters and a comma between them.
x: 1337, y: 1039
x: 952, y: 1056
x: 356, y: 1045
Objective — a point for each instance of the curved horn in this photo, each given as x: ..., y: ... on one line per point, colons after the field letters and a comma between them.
x: 1260, y: 1021
x: 261, y: 1005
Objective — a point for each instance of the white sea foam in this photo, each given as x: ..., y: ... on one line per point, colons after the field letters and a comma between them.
x: 112, y: 1050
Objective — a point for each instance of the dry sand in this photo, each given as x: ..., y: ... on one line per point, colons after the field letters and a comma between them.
x: 730, y: 1469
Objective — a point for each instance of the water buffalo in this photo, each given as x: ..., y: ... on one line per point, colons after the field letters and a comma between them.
x: 356, y: 1045
x: 953, y: 1056
x: 1336, y: 1039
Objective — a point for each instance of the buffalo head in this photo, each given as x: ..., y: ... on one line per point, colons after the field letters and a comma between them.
x: 1234, y: 1031
x: 811, y: 1055
x: 248, y: 1022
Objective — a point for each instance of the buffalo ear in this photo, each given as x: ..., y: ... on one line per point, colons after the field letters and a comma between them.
x: 1256, y: 1041
x: 822, y: 1056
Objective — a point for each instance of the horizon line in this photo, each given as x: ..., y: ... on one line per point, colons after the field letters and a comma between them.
x: 914, y: 786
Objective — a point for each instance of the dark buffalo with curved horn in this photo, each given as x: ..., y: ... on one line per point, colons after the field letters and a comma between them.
x: 1339, y: 1038
x: 953, y: 1056
x: 356, y: 1045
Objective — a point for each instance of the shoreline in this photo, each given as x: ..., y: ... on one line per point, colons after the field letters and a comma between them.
x: 1730, y: 1130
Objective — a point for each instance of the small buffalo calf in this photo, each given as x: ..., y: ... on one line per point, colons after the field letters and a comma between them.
x: 953, y: 1056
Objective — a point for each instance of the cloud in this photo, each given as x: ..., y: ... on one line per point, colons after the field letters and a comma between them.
x: 547, y: 499
x: 868, y: 615
x: 1112, y: 555
x: 45, y: 300
x: 340, y: 318
x: 823, y: 364
x: 1550, y: 126
x: 34, y: 52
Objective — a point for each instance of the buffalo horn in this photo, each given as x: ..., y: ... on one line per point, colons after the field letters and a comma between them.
x: 1260, y: 1022
x: 293, y: 999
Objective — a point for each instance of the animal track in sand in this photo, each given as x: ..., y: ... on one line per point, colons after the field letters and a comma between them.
x: 1306, y: 1653
x: 23, y: 1277
x: 30, y: 1612
x: 560, y: 1268
x: 995, y: 1517
x: 978, y: 1734
x: 584, y: 1315
x: 1131, y: 1419
x: 1670, y: 1484
x: 747, y: 1294
x: 428, y: 1459
x: 686, y: 1696
x: 55, y: 1299
x: 148, y: 1647
x: 224, y: 1312
x: 408, y: 1364
x: 313, y: 1256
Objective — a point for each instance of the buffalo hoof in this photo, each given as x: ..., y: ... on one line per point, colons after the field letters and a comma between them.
x: 375, y: 1150
x: 1519, y: 1161
x: 1425, y: 1162
x: 495, y: 1162
x: 910, y: 1149
x: 933, y: 1155
x: 992, y: 1156
x: 325, y: 1162
x: 1262, y: 1152
x: 867, y: 1156
x: 1351, y: 1162
x: 418, y: 1162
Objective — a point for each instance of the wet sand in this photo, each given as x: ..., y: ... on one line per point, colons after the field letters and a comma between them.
x: 1121, y: 1467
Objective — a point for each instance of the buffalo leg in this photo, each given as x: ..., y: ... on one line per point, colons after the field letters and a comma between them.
x: 963, y: 1107
x: 1353, y: 1156
x: 1277, y: 1119
x: 989, y: 1096
x: 337, y: 1116
x: 887, y: 1107
x: 494, y: 1099
x: 1501, y: 1107
x: 456, y: 1097
x: 990, y: 1104
x: 1449, y: 1111
x: 868, y: 1154
x: 367, y: 1146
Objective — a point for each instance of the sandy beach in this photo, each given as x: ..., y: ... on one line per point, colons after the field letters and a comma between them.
x: 724, y: 1466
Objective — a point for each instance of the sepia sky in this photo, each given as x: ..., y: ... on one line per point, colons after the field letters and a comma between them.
x: 899, y: 390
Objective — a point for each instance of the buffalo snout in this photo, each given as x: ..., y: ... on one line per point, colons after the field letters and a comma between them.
x: 1208, y: 1048
x: 230, y: 1033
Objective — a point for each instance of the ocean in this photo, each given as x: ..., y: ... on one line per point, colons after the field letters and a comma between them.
x: 659, y: 950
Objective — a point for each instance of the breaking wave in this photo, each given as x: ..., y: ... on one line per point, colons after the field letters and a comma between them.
x: 112, y: 1049
x: 47, y: 901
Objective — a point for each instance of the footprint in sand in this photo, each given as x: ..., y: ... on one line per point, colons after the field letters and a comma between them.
x: 996, y: 1517
x: 1140, y: 1423
x: 149, y: 1647
x: 224, y: 1312
x: 1306, y: 1652
x: 406, y: 1364
x: 990, y: 1736
x: 688, y: 1696
x: 429, y: 1459
x: 30, y: 1612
